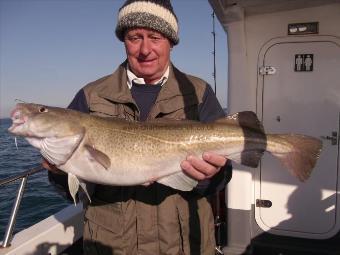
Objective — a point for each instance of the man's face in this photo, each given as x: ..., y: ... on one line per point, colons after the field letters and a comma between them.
x: 148, y: 53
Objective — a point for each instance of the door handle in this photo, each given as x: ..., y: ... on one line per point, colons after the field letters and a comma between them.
x: 333, y: 138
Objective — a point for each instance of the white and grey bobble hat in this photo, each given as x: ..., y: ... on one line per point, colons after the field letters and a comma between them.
x: 153, y: 14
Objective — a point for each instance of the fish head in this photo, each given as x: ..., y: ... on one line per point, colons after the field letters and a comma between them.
x: 56, y: 132
x: 40, y: 121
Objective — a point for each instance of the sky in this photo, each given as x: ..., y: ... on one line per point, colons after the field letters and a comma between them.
x: 49, y: 49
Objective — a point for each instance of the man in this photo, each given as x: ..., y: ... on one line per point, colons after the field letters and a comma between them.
x: 152, y: 219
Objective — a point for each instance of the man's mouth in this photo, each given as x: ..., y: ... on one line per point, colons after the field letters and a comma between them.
x: 145, y: 61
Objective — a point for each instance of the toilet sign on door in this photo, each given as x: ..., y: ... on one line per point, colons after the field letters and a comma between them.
x: 303, y: 62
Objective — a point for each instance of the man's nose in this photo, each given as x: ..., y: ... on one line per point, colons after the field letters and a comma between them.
x: 145, y: 47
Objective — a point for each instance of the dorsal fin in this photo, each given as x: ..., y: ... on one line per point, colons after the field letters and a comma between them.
x: 245, y: 119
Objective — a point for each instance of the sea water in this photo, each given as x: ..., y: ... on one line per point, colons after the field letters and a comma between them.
x: 40, y: 198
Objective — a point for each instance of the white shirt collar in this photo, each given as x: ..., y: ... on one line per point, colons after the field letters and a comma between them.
x: 132, y: 77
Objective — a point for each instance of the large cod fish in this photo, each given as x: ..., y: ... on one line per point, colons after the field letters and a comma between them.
x: 119, y: 152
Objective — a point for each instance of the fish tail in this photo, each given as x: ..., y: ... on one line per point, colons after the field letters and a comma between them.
x: 298, y: 153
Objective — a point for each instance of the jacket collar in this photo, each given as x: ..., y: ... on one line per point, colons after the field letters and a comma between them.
x: 177, y: 86
x: 131, y: 77
x: 115, y: 88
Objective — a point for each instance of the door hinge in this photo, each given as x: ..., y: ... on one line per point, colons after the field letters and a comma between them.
x: 266, y: 70
x: 263, y: 203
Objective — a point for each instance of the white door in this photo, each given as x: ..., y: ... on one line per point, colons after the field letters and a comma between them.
x: 302, y: 96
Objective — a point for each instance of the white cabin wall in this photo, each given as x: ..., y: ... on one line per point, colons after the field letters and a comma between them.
x: 246, y: 37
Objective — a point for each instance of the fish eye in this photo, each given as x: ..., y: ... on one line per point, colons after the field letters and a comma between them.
x: 43, y: 109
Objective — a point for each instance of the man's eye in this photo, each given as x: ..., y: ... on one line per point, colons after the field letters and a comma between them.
x: 155, y: 38
x: 133, y: 38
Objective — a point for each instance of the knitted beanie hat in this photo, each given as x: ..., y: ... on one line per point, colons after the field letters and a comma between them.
x: 154, y: 14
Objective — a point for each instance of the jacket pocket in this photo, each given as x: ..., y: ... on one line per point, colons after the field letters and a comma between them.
x: 100, y: 241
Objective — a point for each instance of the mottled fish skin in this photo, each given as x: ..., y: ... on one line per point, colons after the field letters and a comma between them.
x: 118, y: 152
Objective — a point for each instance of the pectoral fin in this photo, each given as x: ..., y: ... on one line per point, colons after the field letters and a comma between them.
x: 99, y: 156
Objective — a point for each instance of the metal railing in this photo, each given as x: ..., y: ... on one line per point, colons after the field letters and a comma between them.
x: 11, y: 222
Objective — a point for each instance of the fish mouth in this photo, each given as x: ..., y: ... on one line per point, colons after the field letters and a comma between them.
x: 18, y: 120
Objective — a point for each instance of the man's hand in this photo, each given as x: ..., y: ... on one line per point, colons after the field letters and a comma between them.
x: 203, y: 169
x: 50, y: 167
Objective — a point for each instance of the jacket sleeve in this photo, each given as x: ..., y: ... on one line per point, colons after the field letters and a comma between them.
x: 60, y: 182
x: 209, y: 111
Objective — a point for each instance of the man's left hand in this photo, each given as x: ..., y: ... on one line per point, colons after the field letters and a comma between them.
x: 200, y: 169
